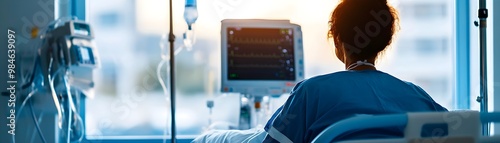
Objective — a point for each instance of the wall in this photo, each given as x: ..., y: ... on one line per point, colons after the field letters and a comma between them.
x: 20, y: 16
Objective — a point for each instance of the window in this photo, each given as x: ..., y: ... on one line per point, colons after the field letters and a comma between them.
x: 130, y: 100
x: 424, y: 47
x: 425, y: 10
x: 108, y: 19
x: 436, y: 46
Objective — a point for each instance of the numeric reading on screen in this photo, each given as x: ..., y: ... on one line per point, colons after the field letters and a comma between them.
x: 260, y: 54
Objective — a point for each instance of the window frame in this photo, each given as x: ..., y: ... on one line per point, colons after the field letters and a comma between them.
x: 462, y: 54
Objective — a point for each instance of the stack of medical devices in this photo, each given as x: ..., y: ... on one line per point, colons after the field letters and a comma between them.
x: 261, y: 59
x: 64, y: 65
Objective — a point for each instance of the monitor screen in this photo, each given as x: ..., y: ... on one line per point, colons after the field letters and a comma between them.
x: 85, y: 53
x: 260, y: 57
x: 81, y: 29
x: 260, y: 54
x: 86, y: 56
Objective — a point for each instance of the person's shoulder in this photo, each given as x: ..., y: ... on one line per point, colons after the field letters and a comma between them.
x: 397, y: 79
x: 410, y: 83
x: 413, y: 86
x: 416, y: 87
x: 316, y: 82
x: 406, y: 85
x: 339, y: 74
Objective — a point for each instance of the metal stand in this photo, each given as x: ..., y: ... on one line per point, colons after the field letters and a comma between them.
x: 171, y: 39
x: 483, y: 98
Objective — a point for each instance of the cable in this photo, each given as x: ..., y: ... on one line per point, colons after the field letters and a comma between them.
x: 56, y: 98
x: 21, y: 109
x: 82, y: 127
x: 68, y: 106
x: 75, y: 113
x: 25, y: 101
x: 33, y: 74
x: 36, y: 123
x: 165, y: 91
x: 68, y: 92
x: 160, y: 79
x: 34, y: 128
x: 32, y: 77
x: 54, y: 95
x: 162, y: 82
x: 72, y: 107
x: 79, y: 118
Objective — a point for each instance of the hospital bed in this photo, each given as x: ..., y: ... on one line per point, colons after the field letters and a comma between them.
x: 429, y: 127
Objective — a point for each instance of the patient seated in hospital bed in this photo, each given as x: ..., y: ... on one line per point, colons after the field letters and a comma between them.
x: 361, y: 30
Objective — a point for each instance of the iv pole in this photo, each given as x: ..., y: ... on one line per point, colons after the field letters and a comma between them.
x: 483, y: 97
x: 171, y: 39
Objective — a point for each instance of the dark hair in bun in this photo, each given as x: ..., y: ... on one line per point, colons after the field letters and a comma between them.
x: 363, y: 27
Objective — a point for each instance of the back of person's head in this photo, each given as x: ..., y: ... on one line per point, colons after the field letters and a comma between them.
x: 363, y: 28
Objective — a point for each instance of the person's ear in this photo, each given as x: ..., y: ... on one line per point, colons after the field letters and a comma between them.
x: 340, y: 52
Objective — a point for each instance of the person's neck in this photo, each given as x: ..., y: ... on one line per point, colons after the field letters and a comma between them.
x: 349, y: 62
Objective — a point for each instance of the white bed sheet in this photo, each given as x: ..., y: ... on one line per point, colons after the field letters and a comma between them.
x: 232, y: 136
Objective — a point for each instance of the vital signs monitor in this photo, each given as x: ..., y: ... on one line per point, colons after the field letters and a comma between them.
x: 261, y: 57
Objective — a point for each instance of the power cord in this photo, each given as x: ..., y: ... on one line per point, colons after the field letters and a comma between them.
x: 34, y: 128
x: 21, y: 109
x: 36, y: 123
x: 78, y: 121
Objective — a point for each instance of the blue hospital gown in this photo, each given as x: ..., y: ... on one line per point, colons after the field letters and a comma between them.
x: 318, y: 102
